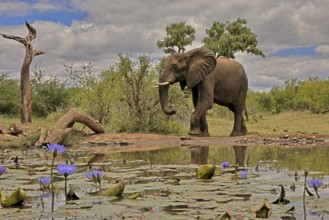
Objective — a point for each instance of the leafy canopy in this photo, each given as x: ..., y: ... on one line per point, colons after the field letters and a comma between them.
x: 178, y: 35
x: 225, y: 39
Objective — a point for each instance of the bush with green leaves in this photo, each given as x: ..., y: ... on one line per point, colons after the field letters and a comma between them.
x: 96, y: 93
x: 311, y: 95
x: 49, y: 95
x: 10, y: 96
x: 122, y: 98
x: 140, y: 109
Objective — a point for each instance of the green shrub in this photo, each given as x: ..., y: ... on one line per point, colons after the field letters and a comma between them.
x: 9, y: 96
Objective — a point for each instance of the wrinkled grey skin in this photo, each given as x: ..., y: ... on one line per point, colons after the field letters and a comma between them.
x: 221, y: 81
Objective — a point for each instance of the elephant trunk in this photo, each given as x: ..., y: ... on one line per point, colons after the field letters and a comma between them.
x: 163, y: 92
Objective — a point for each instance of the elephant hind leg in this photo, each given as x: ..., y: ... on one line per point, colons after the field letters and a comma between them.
x: 239, y: 130
x: 239, y: 127
x: 244, y: 130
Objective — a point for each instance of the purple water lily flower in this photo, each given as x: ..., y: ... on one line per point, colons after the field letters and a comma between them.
x: 225, y: 164
x: 95, y: 175
x: 243, y: 174
x: 315, y: 183
x: 44, y: 181
x: 56, y: 149
x: 66, y: 169
x: 2, y: 170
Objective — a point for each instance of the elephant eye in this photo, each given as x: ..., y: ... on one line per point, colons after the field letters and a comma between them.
x: 175, y: 67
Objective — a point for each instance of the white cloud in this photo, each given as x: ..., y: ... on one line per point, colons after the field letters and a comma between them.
x: 14, y: 8
x: 44, y: 6
x: 134, y: 27
x: 21, y: 8
x: 323, y: 49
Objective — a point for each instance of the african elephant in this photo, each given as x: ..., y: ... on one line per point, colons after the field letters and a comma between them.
x: 221, y: 81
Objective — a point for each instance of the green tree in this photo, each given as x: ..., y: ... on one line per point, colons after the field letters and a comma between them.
x: 225, y: 39
x: 178, y: 35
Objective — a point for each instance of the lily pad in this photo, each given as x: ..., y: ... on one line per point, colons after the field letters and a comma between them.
x: 14, y: 199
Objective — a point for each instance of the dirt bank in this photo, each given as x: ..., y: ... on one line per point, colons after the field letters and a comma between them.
x: 125, y: 142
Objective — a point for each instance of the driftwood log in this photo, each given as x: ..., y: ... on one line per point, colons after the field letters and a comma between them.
x: 65, y: 124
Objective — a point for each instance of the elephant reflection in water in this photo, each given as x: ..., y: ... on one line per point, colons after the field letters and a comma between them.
x: 240, y: 154
x: 200, y: 154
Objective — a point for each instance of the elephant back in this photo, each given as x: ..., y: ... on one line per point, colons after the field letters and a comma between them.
x: 230, y: 66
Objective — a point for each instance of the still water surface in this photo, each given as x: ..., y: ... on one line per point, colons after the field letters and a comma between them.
x: 167, y: 180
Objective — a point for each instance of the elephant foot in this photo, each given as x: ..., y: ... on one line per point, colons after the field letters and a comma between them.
x: 237, y: 133
x: 204, y: 134
x: 244, y: 132
x: 195, y: 132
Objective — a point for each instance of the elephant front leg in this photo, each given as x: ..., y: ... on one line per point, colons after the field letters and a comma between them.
x: 194, y: 124
x: 204, y: 127
x: 198, y: 121
x: 202, y: 100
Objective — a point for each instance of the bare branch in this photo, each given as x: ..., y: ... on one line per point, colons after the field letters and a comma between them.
x: 32, y: 31
x: 16, y: 38
x: 38, y: 52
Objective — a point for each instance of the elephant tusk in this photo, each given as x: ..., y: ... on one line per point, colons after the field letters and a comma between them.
x: 163, y: 84
x: 156, y: 86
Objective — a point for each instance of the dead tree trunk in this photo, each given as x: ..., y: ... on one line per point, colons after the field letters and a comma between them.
x: 65, y: 123
x: 26, y: 92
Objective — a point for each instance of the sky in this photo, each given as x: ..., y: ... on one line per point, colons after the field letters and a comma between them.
x: 294, y: 35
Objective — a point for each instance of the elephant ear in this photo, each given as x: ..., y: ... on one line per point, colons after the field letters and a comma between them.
x: 202, y: 62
